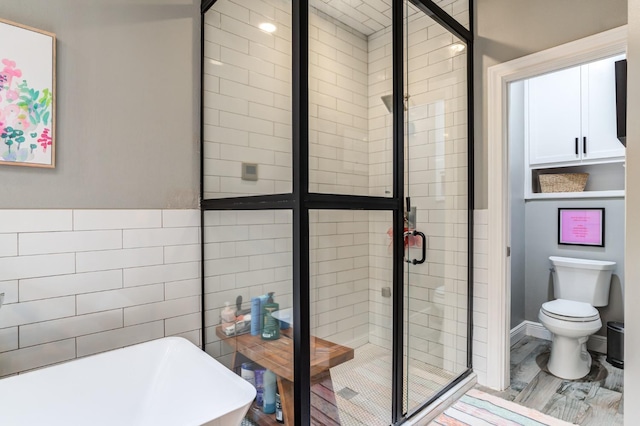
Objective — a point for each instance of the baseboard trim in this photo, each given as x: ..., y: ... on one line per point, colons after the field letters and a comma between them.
x: 518, y: 332
x: 535, y: 329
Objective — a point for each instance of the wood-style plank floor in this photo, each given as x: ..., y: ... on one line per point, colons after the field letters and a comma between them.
x: 593, y: 400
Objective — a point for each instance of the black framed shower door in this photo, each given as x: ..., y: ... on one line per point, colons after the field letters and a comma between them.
x: 306, y: 205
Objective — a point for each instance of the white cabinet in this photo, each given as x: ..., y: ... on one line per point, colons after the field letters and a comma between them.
x: 570, y: 116
x: 599, y: 111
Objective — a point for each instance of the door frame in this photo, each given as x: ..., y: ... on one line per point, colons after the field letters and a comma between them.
x: 588, y: 49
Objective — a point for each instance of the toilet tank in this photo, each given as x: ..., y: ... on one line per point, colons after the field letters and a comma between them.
x: 582, y: 280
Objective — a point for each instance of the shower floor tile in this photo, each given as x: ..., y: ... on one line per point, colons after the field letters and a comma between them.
x: 363, y: 386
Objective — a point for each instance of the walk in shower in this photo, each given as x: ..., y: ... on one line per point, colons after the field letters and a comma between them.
x: 335, y: 164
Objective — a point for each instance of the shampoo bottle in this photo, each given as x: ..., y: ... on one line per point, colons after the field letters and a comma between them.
x: 271, y: 327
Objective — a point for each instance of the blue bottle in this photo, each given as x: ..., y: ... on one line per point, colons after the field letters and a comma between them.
x: 256, y: 316
x: 269, y: 393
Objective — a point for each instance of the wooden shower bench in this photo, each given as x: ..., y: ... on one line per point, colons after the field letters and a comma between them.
x: 277, y: 356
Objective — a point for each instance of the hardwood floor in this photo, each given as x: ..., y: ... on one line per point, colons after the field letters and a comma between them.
x: 593, y: 400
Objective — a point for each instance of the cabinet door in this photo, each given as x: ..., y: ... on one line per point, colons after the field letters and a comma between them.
x: 599, y: 110
x: 553, y: 102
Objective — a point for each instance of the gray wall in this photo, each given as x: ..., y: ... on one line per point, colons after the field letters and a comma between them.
x: 127, y: 105
x: 509, y: 29
x: 516, y: 182
x: 541, y: 237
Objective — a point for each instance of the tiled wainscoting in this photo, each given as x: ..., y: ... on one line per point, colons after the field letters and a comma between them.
x: 480, y: 289
x: 79, y: 282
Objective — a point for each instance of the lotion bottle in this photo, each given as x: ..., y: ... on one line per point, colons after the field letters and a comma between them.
x: 228, y: 314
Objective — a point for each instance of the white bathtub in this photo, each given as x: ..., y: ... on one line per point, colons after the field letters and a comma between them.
x: 168, y: 381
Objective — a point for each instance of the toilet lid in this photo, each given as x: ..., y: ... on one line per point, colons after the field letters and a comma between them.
x: 570, y: 310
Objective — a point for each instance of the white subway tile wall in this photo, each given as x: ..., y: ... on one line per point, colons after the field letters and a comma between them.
x: 247, y: 98
x: 79, y: 282
x: 338, y: 106
x: 247, y: 101
x: 340, y: 244
x: 247, y: 254
x: 480, y: 291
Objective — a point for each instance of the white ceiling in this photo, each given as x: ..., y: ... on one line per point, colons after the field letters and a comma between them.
x: 365, y: 16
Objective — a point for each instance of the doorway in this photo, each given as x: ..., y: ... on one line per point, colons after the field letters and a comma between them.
x: 503, y: 84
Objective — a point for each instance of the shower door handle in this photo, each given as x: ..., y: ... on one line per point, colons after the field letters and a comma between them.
x: 424, y: 247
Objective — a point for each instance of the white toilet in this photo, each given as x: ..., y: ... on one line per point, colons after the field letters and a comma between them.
x: 579, y: 285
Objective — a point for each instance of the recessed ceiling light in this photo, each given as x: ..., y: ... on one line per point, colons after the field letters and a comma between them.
x: 457, y: 47
x: 267, y: 26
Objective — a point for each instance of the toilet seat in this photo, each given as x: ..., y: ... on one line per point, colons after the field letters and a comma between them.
x: 570, y: 310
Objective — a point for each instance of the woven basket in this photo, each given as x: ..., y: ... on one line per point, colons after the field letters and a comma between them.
x: 563, y: 182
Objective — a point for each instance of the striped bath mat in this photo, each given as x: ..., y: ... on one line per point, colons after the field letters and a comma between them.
x: 478, y: 408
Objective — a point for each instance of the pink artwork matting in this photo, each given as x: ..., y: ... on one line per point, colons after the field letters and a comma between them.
x: 581, y: 226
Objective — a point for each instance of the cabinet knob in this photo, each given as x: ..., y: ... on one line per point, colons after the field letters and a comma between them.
x: 576, y: 146
x: 584, y: 145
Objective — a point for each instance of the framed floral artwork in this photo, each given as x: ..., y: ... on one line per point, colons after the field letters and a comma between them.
x: 27, y: 96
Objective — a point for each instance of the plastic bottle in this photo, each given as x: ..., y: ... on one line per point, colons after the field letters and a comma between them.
x: 279, y: 415
x: 247, y: 373
x: 228, y: 314
x: 271, y: 327
x: 259, y: 378
x: 269, y: 395
x: 256, y: 316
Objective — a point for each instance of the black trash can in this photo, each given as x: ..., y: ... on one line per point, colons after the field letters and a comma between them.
x: 615, y: 343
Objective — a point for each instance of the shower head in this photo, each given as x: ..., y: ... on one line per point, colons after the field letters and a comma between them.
x: 388, y: 102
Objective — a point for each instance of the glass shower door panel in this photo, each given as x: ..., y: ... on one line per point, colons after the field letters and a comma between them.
x: 350, y: 85
x: 436, y: 147
x: 351, y: 317
x: 248, y: 283
x: 246, y: 97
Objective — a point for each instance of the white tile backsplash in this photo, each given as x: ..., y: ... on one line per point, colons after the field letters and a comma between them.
x: 161, y: 273
x: 180, y: 218
x: 480, y: 218
x: 177, y: 289
x: 8, y: 245
x: 66, y: 328
x: 95, y: 280
x: 112, y: 299
x: 118, y: 259
x: 8, y: 339
x: 36, y: 266
x: 36, y: 311
x: 182, y: 253
x: 25, y: 359
x: 35, y: 220
x: 66, y: 242
x: 10, y: 290
x: 67, y: 285
x: 118, y: 338
x: 116, y: 219
x: 159, y: 237
x: 161, y: 310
